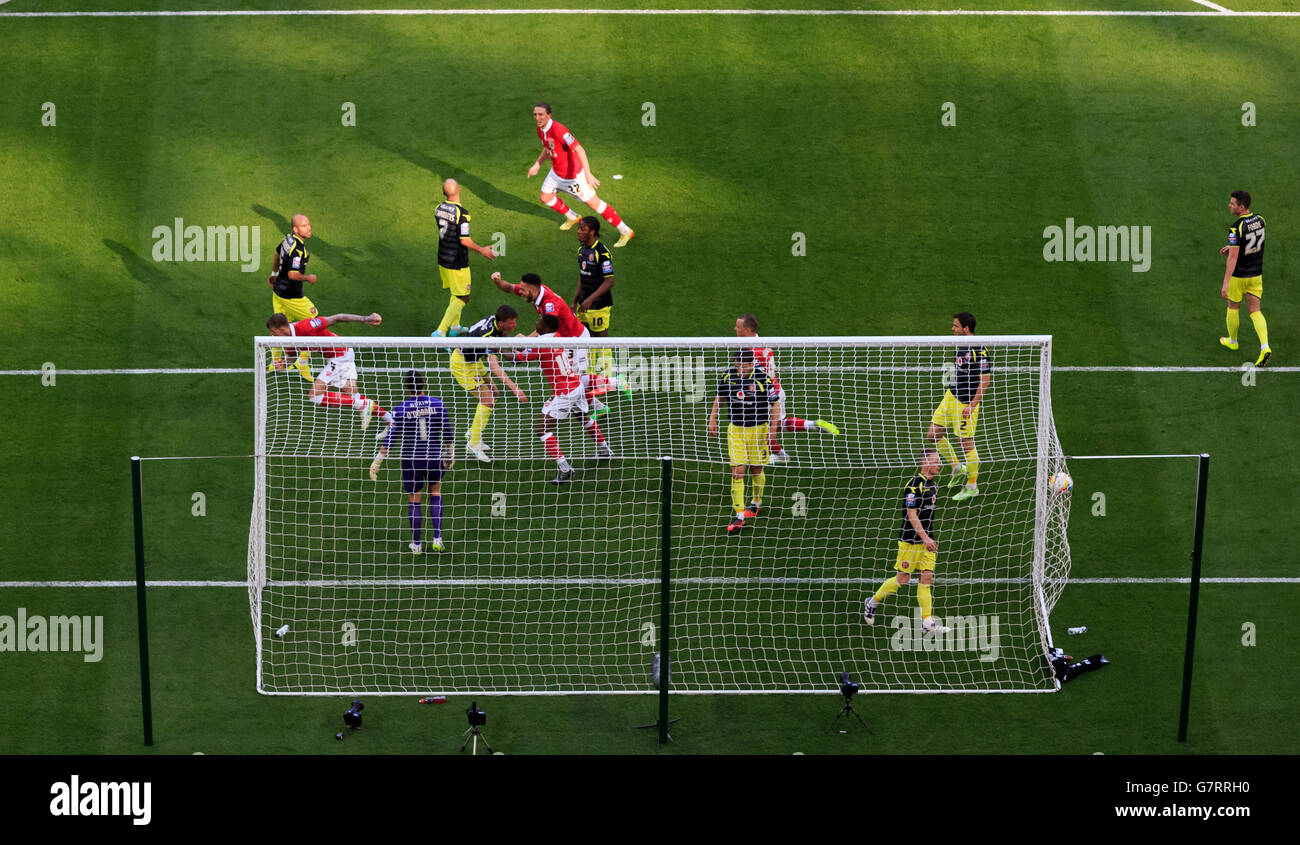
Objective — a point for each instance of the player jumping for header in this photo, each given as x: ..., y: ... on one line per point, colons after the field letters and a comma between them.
x: 340, y: 365
x: 568, y: 397
x: 474, y: 367
x: 570, y: 172
x: 547, y: 301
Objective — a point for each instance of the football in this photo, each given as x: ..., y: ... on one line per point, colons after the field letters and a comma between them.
x: 1061, y: 482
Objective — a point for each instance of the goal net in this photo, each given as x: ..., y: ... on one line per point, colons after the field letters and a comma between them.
x: 555, y: 588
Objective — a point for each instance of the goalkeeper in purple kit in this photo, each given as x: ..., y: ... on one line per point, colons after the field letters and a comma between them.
x: 425, y: 430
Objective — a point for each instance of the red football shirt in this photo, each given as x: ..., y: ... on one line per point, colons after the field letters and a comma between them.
x: 555, y: 366
x: 559, y: 144
x: 548, y: 302
x: 316, y: 327
x: 765, y: 357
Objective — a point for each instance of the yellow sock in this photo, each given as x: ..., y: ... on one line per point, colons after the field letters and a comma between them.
x: 738, y: 495
x: 1234, y: 319
x: 887, y: 589
x: 304, y: 366
x: 925, y: 600
x: 1261, y: 327
x: 481, y: 415
x: 946, y: 451
x: 451, y: 316
x: 758, y: 481
x: 972, y: 465
x: 605, y: 362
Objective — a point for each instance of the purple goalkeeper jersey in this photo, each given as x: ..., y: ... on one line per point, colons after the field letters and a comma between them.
x: 424, y: 427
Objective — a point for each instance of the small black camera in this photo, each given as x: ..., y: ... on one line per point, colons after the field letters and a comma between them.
x: 352, y: 718
x: 848, y: 688
x: 477, y: 718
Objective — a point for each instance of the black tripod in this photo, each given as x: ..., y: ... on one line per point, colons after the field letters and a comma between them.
x: 475, y: 733
x: 848, y: 690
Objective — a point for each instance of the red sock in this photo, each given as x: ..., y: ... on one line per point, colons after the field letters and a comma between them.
x: 378, y: 411
x: 597, y: 386
x: 552, y: 444
x: 794, y: 424
x: 336, y: 400
x: 773, y: 445
x: 594, y: 430
x: 611, y: 215
x: 557, y: 204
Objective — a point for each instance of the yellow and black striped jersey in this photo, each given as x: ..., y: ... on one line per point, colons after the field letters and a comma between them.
x: 595, y: 265
x: 921, y: 495
x: 453, y: 224
x: 972, y: 363
x: 1248, y: 234
x: 487, y: 327
x: 748, y: 398
x: 293, y: 256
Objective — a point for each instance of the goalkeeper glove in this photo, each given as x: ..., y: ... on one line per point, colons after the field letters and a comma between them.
x: 374, y: 467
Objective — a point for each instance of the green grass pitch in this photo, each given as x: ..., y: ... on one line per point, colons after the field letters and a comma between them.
x: 764, y: 127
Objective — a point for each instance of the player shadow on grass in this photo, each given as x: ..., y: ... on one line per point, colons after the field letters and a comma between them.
x: 144, y: 271
x: 480, y: 188
x: 341, y: 259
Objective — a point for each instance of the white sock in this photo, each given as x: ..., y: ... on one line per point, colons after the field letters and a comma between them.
x: 623, y: 228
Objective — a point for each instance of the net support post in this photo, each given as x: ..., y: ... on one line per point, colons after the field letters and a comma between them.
x: 665, y: 549
x: 137, y: 508
x: 1202, y: 478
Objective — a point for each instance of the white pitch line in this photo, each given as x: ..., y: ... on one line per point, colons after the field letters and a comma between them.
x: 197, y: 371
x: 1215, y: 6
x: 1046, y: 13
x: 613, y: 582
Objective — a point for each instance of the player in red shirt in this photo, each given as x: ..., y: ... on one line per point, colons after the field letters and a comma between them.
x: 765, y: 357
x: 340, y: 365
x: 568, y: 397
x: 570, y: 172
x: 547, y: 301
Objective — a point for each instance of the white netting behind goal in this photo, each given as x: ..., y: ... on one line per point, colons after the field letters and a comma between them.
x: 545, y: 588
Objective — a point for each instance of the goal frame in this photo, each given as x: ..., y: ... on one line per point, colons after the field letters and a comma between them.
x: 1046, y: 435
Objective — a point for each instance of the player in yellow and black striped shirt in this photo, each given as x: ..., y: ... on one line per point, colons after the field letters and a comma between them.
x: 917, y: 549
x: 593, y: 301
x: 960, y: 408
x: 454, y: 244
x: 288, y: 272
x: 1243, y: 278
x: 751, y: 407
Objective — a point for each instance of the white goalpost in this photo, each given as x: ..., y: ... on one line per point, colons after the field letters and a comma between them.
x: 545, y: 588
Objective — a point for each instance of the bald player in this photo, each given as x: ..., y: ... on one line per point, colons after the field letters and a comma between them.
x: 288, y: 272
x: 454, y: 244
